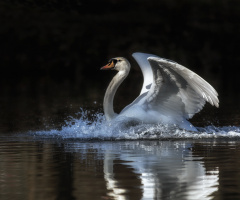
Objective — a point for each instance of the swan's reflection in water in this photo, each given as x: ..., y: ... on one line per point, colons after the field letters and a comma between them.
x: 155, y: 170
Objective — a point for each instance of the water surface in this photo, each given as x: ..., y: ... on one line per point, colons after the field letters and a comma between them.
x: 62, y: 151
x: 68, y: 169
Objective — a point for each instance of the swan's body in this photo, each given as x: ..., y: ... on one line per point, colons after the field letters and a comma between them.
x: 171, y: 93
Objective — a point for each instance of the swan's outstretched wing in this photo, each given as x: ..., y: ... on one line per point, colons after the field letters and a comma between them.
x: 145, y: 66
x: 177, y: 91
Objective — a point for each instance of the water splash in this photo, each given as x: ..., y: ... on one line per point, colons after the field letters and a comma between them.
x: 94, y: 126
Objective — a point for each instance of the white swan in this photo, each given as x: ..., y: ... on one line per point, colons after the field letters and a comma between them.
x: 170, y: 94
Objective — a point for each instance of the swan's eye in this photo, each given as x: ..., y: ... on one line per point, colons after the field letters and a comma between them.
x: 114, y: 61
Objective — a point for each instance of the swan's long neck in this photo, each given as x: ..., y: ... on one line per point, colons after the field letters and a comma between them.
x: 110, y: 93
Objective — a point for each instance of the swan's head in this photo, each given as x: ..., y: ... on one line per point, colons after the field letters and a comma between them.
x: 118, y: 63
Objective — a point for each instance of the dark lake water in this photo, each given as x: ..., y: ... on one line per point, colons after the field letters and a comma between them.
x: 54, y: 149
x: 57, y: 169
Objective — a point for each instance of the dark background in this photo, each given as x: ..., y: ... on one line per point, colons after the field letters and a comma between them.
x: 52, y: 50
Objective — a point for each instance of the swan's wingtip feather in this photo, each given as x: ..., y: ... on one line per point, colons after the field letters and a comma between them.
x: 216, y: 104
x: 213, y: 102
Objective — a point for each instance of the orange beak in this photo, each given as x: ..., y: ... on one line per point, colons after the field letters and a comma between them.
x: 110, y: 65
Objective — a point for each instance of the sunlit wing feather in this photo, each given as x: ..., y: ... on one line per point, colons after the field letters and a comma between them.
x: 145, y: 66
